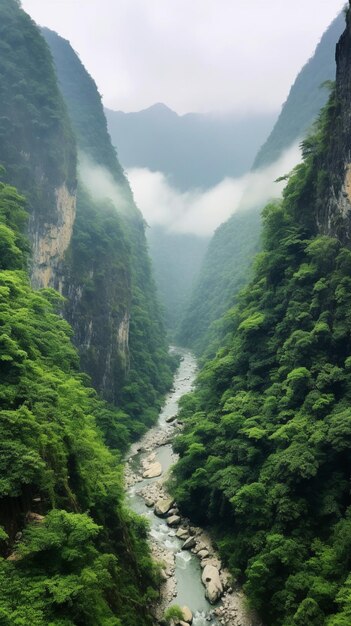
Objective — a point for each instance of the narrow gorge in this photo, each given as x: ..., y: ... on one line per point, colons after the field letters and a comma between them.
x: 206, y: 482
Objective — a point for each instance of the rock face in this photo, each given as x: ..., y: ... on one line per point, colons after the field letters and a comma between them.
x: 212, y: 582
x: 51, y: 239
x: 333, y: 217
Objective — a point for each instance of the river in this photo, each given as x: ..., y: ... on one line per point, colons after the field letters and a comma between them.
x: 183, y: 586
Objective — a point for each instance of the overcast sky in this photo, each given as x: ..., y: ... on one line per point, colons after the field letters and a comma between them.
x: 193, y: 55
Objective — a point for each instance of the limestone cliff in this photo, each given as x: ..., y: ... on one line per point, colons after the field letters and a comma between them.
x: 333, y: 214
x: 50, y: 240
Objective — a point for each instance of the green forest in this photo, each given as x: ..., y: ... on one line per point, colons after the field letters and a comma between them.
x: 265, y: 451
x: 71, y: 552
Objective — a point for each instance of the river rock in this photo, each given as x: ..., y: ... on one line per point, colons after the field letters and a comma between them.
x: 212, y: 582
x: 203, y: 554
x: 154, y: 470
x: 187, y: 615
x: 174, y: 520
x: 171, y: 419
x: 182, y: 533
x: 188, y: 543
x: 149, y: 502
x: 162, y: 506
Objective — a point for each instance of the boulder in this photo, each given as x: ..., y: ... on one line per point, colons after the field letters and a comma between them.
x: 153, y: 470
x: 149, y: 502
x: 189, y: 543
x: 174, y: 520
x: 34, y: 517
x: 212, y: 582
x: 187, y: 615
x: 171, y: 419
x: 203, y: 554
x: 162, y: 506
x: 182, y: 533
x: 173, y: 511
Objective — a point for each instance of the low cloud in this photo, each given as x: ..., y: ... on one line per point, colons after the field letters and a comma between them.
x: 199, y: 212
x: 101, y: 185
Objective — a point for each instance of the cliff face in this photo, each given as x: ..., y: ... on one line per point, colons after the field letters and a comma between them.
x: 111, y: 299
x: 37, y: 144
x: 50, y: 240
x: 97, y: 282
x: 333, y: 214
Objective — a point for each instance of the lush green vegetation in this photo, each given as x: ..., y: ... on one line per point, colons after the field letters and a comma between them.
x: 37, y: 144
x: 265, y: 454
x: 71, y: 553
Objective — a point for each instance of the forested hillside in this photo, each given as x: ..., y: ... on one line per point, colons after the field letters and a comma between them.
x: 226, y: 266
x: 264, y: 457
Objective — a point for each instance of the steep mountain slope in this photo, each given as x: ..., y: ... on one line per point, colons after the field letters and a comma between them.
x: 193, y: 150
x: 37, y: 143
x: 238, y: 238
x: 265, y: 455
x: 307, y: 96
x: 112, y: 303
x: 224, y: 271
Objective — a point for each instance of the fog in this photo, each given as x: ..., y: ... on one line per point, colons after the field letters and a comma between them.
x: 198, y: 212
x: 101, y: 185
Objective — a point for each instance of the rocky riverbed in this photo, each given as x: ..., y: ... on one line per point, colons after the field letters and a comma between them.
x: 192, y: 573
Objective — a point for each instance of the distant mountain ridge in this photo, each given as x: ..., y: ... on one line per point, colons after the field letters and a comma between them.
x: 194, y: 150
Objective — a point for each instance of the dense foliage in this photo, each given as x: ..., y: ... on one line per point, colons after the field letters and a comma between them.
x: 265, y: 454
x: 37, y: 144
x: 71, y: 553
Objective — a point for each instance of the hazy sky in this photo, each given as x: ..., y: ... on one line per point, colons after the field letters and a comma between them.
x: 193, y: 55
